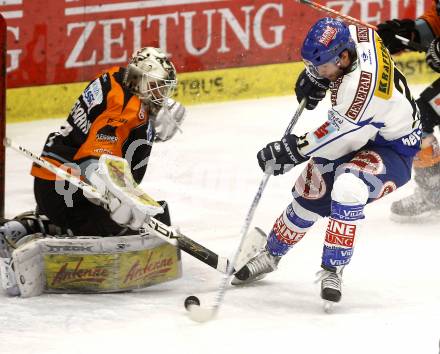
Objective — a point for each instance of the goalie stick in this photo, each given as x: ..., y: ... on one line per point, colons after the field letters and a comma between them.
x: 157, y: 228
x: 410, y: 44
x: 201, y: 314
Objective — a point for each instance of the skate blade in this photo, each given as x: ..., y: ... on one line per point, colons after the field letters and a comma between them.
x: 328, y: 306
x: 201, y: 314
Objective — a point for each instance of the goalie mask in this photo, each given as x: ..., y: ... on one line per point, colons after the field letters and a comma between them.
x: 151, y: 76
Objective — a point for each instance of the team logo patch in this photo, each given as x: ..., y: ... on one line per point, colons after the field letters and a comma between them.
x: 361, y: 95
x: 286, y: 234
x: 340, y: 234
x: 363, y: 35
x: 310, y: 184
x: 323, y: 131
x: 335, y: 119
x: 387, y: 188
x: 385, y: 70
x: 366, y: 161
x: 93, y: 95
x: 107, y: 134
x: 328, y: 35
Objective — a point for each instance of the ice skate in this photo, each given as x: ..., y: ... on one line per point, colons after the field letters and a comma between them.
x: 257, y: 268
x: 331, y: 288
x: 415, y: 207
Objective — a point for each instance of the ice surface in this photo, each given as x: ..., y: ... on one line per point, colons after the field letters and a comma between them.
x: 209, y: 175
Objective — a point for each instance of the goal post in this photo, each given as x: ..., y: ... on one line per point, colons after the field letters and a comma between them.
x: 3, y: 35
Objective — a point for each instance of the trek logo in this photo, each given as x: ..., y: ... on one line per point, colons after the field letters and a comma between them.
x: 69, y: 248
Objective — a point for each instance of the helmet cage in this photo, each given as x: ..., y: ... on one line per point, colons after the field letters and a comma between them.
x: 155, y: 89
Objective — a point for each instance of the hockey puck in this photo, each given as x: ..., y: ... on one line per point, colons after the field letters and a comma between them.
x: 191, y: 300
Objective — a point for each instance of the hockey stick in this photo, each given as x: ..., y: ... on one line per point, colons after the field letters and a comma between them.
x: 410, y: 44
x: 200, y: 314
x: 155, y: 227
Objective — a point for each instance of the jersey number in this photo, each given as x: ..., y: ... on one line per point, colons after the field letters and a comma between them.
x: 402, y: 86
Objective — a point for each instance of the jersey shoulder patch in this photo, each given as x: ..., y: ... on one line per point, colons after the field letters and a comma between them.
x: 93, y: 95
x: 361, y: 96
x: 353, y: 94
x: 385, y: 70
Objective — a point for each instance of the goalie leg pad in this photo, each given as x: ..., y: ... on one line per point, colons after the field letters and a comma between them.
x: 94, y: 264
x: 7, y: 277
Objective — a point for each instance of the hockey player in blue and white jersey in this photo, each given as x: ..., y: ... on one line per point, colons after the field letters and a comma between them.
x: 362, y: 152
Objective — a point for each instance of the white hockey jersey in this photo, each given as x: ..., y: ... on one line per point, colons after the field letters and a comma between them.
x: 372, y: 104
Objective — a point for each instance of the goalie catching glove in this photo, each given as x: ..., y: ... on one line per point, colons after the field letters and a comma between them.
x: 168, y: 120
x: 279, y: 157
x: 128, y: 205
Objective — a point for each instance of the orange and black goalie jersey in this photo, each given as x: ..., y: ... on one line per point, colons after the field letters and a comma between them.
x: 432, y: 18
x: 106, y: 119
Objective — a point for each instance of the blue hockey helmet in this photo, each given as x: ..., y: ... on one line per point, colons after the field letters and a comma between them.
x: 324, y: 42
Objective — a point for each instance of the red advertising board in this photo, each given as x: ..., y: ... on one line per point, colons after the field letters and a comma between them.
x: 63, y: 41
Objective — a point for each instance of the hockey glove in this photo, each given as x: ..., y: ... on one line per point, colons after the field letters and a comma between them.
x: 312, y: 88
x: 279, y: 157
x: 433, y: 55
x: 168, y: 120
x: 404, y: 28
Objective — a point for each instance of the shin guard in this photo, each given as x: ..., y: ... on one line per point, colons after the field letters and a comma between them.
x: 289, y: 229
x: 340, y: 235
x: 349, y: 196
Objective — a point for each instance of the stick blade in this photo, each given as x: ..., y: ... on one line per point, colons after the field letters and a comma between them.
x: 200, y: 314
x: 328, y: 306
